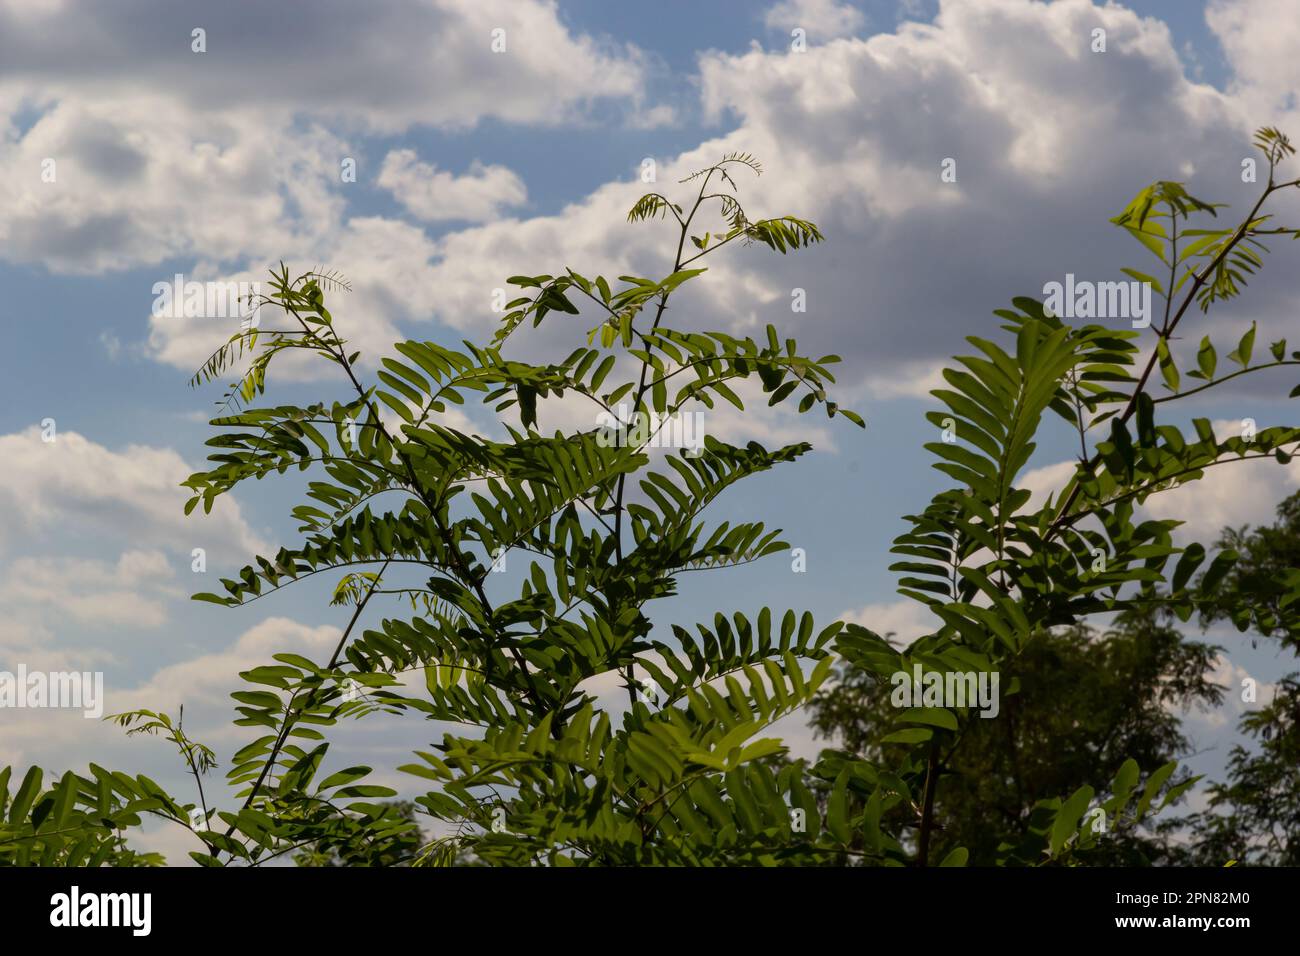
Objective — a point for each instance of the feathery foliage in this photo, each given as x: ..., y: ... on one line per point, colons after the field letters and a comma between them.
x: 535, y: 768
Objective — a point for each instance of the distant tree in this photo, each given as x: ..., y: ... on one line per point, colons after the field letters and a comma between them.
x: 1254, y: 814
x: 1076, y: 703
x: 1259, y: 591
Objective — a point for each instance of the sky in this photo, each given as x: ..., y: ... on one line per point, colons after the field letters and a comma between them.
x: 474, y: 165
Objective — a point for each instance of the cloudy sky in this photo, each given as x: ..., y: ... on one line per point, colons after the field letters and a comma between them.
x: 473, y: 165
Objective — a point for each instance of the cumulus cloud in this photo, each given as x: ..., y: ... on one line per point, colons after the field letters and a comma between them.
x: 206, y: 681
x: 433, y: 195
x: 76, y: 490
x: 27, y: 641
x: 391, y: 65
x: 1216, y: 724
x: 1260, y: 39
x: 121, y: 147
x: 853, y: 135
x: 129, y: 592
x: 903, y: 620
x: 1230, y: 494
x: 96, y: 185
x: 387, y: 262
x: 1046, y: 481
x: 203, y: 684
x: 821, y: 19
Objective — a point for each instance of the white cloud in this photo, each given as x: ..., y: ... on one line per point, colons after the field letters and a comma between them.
x: 1232, y: 494
x: 434, y: 195
x: 654, y: 117
x: 35, y: 645
x: 821, y: 19
x: 62, y: 738
x: 206, y: 681
x: 133, y: 149
x: 905, y: 619
x: 1260, y: 39
x: 401, y: 63
x: 1234, y: 679
x: 129, y: 190
x: 912, y: 380
x: 852, y: 135
x: 131, y: 592
x: 112, y: 345
x: 387, y: 264
x: 1044, y: 482
x: 76, y: 490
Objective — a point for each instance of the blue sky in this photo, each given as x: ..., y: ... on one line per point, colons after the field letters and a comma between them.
x: 217, y: 164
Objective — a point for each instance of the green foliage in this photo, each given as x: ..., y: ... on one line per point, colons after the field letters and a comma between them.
x: 535, y: 769
x: 1254, y: 814
x: 1076, y: 704
x: 79, y: 820
x: 996, y: 565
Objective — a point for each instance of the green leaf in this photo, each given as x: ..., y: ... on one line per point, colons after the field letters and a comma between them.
x: 1206, y: 359
x: 1154, y: 783
x: 912, y: 735
x: 837, y: 821
x: 934, y: 716
x: 1187, y: 564
x: 956, y: 857
x: 1126, y: 779
x: 1241, y: 355
x: 1067, y: 819
x: 1167, y: 368
x: 27, y: 791
x: 343, y: 777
